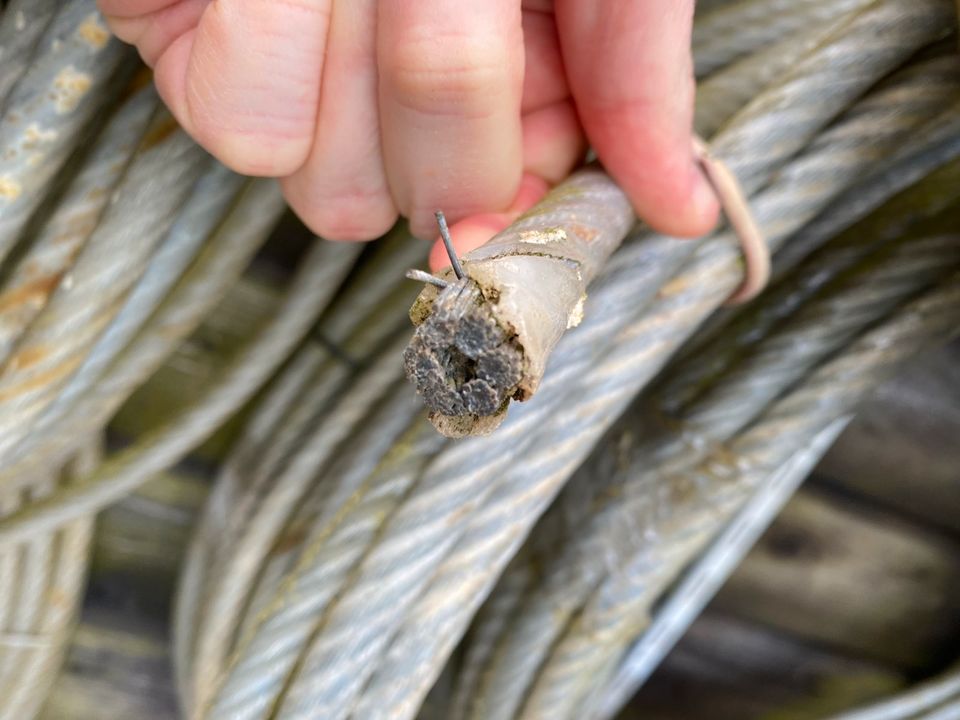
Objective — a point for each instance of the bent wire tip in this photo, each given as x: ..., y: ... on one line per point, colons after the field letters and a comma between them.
x: 448, y: 244
x: 421, y: 276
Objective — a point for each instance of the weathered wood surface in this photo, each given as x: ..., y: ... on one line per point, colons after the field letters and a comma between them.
x: 903, y: 448
x: 855, y: 579
x: 729, y: 669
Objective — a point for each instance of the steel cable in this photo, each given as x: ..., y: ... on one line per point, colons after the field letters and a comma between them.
x: 27, y: 289
x: 224, y: 256
x: 707, y: 574
x: 253, y: 364
x: 245, y: 539
x: 618, y: 609
x: 48, y: 109
x: 756, y: 175
x: 447, y: 593
x: 48, y: 581
x: 668, y: 447
x: 737, y: 29
x: 104, y: 273
x: 22, y: 24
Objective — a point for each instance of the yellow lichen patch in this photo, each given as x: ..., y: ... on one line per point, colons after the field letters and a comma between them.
x: 69, y: 88
x: 35, y: 135
x: 9, y: 188
x: 93, y: 32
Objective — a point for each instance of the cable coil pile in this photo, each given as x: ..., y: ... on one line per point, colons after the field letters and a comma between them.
x: 347, y: 549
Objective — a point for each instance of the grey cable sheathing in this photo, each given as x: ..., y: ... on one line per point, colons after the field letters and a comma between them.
x: 28, y: 286
x: 49, y: 107
x: 311, y: 289
x: 876, y: 33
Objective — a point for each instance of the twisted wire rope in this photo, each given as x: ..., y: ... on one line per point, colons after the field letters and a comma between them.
x: 722, y: 35
x: 22, y: 24
x: 880, y: 22
x: 359, y: 326
x: 448, y: 594
x: 28, y: 287
x: 311, y: 289
x: 50, y: 106
x: 886, y: 16
x: 708, y: 573
x: 574, y: 567
x: 49, y: 578
x: 103, y: 275
x: 223, y: 257
x: 618, y: 609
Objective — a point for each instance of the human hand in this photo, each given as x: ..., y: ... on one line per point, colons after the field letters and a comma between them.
x: 367, y: 109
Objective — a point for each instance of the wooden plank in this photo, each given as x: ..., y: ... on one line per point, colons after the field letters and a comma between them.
x: 903, y: 448
x: 855, y: 579
x: 727, y: 669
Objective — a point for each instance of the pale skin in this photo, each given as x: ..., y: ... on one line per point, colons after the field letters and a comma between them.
x: 366, y: 110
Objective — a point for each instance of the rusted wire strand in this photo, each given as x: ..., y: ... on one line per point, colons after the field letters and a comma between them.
x: 315, y: 283
x: 29, y: 285
x: 50, y: 106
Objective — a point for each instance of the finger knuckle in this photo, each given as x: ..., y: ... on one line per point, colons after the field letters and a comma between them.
x: 267, y: 150
x: 449, y: 75
x: 351, y: 215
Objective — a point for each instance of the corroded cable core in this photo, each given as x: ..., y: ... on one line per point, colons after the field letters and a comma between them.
x: 464, y: 363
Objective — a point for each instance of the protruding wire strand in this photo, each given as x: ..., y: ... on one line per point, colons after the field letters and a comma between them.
x: 448, y: 244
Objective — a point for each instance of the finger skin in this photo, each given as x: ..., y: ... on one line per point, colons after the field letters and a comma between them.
x: 245, y: 81
x: 476, y: 230
x: 341, y: 192
x: 155, y: 32
x: 631, y: 75
x: 450, y: 96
